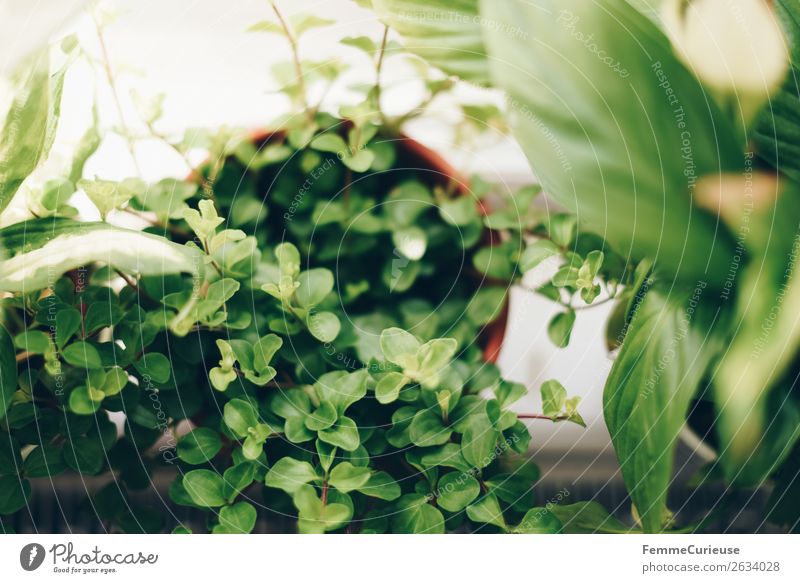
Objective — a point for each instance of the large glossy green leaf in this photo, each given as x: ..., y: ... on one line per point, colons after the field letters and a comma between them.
x: 757, y: 433
x: 8, y: 370
x: 30, y: 127
x: 777, y: 131
x: 669, y: 345
x: 446, y: 33
x: 38, y: 251
x: 615, y: 127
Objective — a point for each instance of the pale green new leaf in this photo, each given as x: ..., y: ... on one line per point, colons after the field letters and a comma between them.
x: 759, y: 429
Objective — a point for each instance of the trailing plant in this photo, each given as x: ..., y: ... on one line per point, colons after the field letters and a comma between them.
x: 298, y: 329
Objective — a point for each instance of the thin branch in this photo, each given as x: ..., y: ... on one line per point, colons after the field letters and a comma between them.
x: 112, y: 83
x: 595, y: 304
x: 133, y: 284
x: 298, y: 67
x: 541, y: 416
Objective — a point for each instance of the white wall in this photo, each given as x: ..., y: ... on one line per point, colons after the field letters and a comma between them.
x: 213, y: 73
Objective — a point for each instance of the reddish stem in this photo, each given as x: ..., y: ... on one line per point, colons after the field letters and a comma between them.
x: 539, y: 416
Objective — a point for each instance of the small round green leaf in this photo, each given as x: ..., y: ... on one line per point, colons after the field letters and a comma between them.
x: 154, y: 365
x: 81, y: 402
x: 205, y: 487
x: 239, y: 518
x: 83, y: 355
x: 199, y: 446
x: 289, y: 474
x: 240, y: 416
x: 456, y: 491
x: 322, y: 418
x: 346, y: 477
x: 560, y: 328
x: 324, y: 326
x: 315, y: 284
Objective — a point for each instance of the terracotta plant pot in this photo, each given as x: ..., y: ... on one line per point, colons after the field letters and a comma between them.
x: 440, y: 173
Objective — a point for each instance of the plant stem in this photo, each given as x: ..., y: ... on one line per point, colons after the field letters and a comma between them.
x: 298, y: 67
x: 348, y: 183
x: 134, y: 285
x: 595, y: 304
x: 378, y: 74
x: 541, y: 416
x: 115, y: 93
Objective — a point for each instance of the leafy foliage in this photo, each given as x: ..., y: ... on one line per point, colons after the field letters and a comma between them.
x: 305, y: 317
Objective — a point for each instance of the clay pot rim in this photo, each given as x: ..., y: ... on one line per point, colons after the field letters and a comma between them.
x: 492, y: 335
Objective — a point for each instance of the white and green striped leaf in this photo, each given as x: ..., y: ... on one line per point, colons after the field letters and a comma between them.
x: 37, y: 252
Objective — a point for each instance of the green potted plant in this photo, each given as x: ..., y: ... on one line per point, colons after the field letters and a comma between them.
x: 690, y: 178
x: 295, y: 333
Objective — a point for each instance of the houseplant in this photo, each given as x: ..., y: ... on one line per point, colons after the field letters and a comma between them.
x: 689, y: 177
x: 284, y: 367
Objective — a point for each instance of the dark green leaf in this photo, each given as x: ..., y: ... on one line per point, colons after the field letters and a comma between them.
x: 154, y: 365
x: 560, y: 328
x: 83, y: 355
x: 587, y: 517
x: 44, y: 461
x: 289, y: 474
x: 199, y: 446
x: 8, y: 371
x: 427, y: 428
x: 85, y: 455
x: 381, y: 485
x: 14, y: 494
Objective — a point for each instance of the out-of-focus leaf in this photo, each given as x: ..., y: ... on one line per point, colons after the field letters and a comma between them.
x: 446, y: 33
x: 30, y: 127
x: 764, y: 348
x: 620, y: 142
